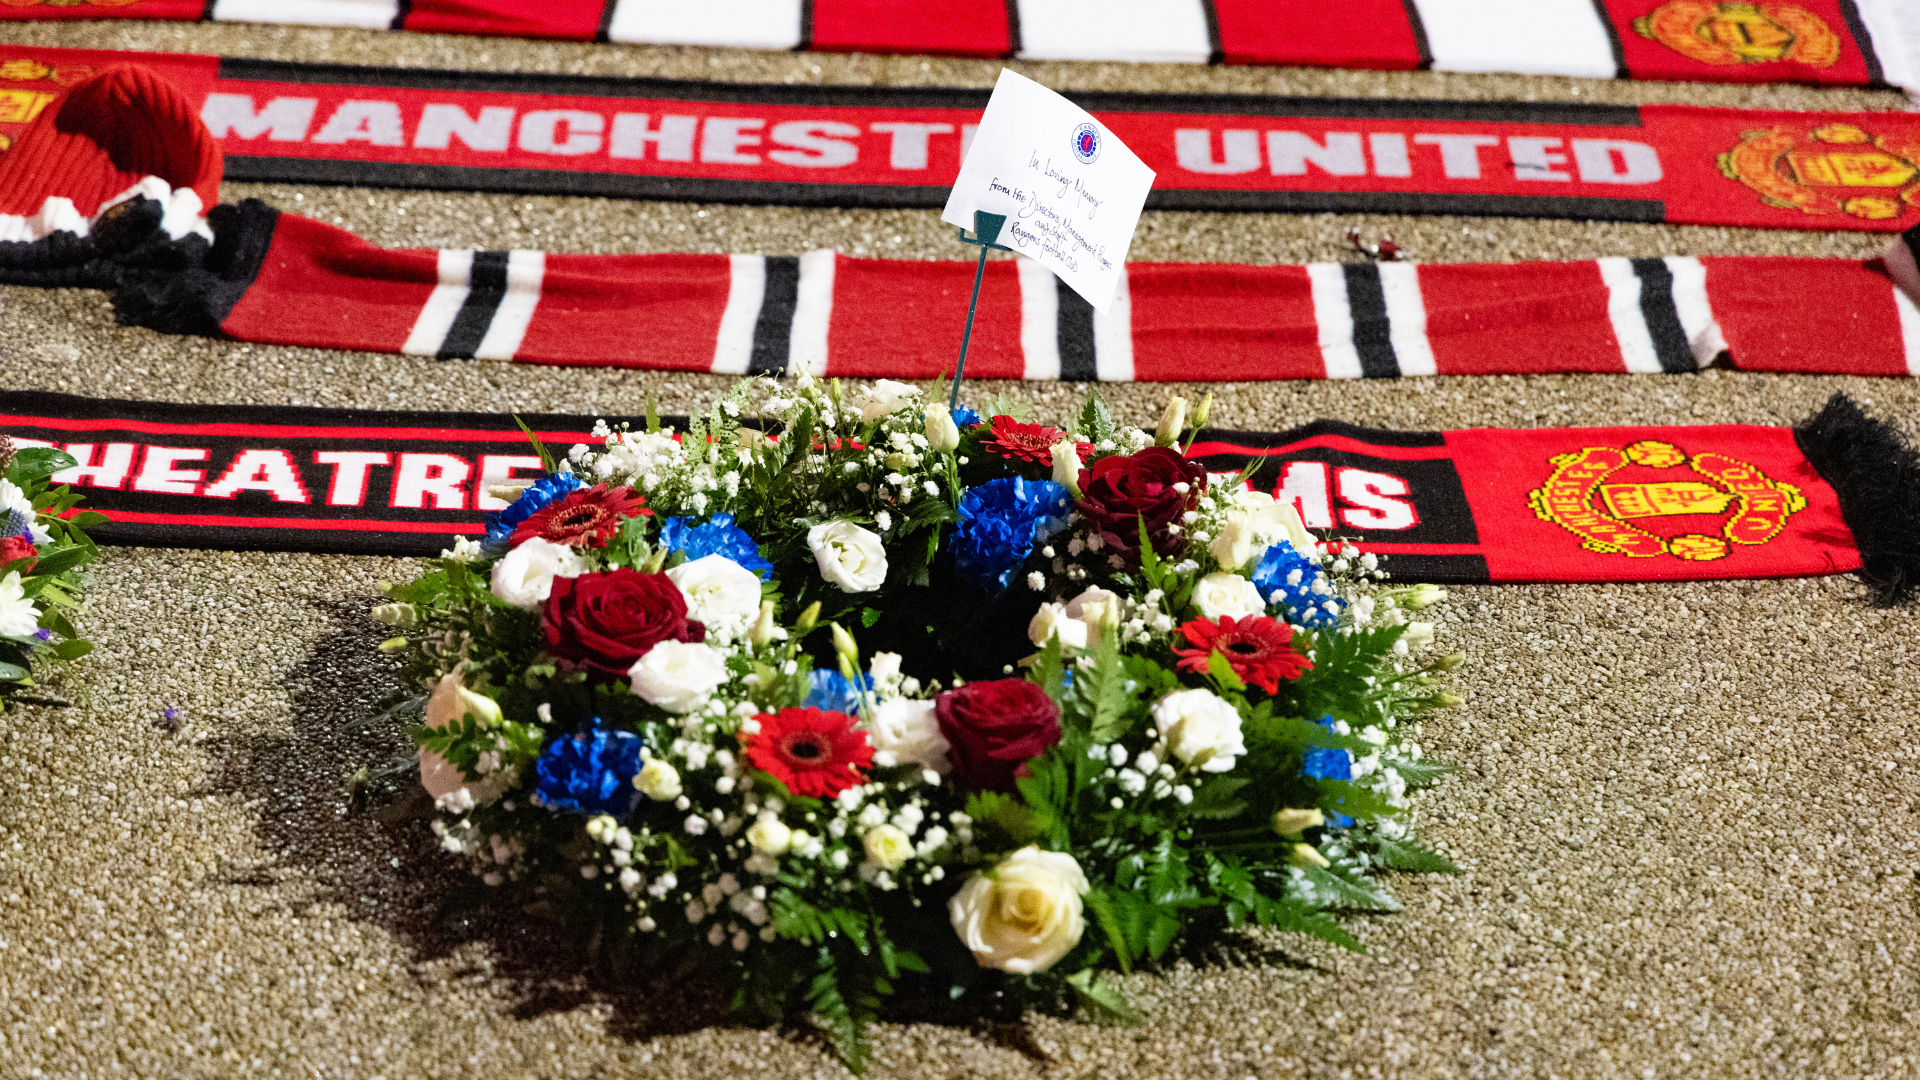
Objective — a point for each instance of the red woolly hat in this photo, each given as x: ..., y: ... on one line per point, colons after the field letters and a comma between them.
x: 108, y: 134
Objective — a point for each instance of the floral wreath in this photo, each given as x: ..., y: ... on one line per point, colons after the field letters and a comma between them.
x: 896, y: 695
x: 43, y: 548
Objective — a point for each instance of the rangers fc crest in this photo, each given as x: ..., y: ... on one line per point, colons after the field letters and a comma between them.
x: 1652, y: 498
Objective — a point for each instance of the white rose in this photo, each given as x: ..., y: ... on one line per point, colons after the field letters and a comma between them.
x: 720, y: 593
x: 1051, y: 621
x: 769, y: 835
x: 658, y: 781
x: 678, y: 676
x: 18, y: 616
x: 909, y: 731
x: 849, y: 556
x: 887, y: 847
x: 943, y: 435
x: 885, y: 397
x: 1026, y: 916
x: 1221, y: 593
x: 1236, y: 543
x: 524, y: 576
x: 1200, y: 728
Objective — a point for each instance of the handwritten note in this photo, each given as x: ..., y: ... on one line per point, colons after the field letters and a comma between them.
x: 1071, y: 191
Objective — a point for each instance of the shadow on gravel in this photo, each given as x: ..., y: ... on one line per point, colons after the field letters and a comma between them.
x: 374, y: 856
x: 371, y: 853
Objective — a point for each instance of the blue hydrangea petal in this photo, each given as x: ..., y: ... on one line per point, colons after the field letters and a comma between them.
x: 1326, y: 763
x: 589, y: 773
x: 718, y: 535
x: 501, y: 523
x: 1304, y: 607
x: 832, y: 692
x: 1000, y: 521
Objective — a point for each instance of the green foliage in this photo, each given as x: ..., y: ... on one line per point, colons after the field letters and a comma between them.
x: 35, y: 463
x: 1412, y: 857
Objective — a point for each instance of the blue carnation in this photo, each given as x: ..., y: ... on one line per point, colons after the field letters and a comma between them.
x: 1326, y: 763
x: 501, y: 523
x: 717, y: 536
x: 589, y: 773
x: 965, y: 417
x: 999, y: 523
x: 1304, y: 606
x: 832, y: 692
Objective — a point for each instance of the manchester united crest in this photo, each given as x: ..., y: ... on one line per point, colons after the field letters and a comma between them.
x: 1838, y: 168
x: 1652, y: 498
x: 1741, y: 33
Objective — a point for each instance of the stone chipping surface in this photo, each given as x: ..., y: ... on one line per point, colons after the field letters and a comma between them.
x: 1685, y: 812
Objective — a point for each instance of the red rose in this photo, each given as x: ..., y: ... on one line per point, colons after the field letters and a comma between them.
x: 605, y: 622
x: 17, y: 547
x: 994, y: 728
x: 1118, y: 493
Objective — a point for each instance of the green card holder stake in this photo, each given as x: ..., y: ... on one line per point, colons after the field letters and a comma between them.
x: 986, y: 229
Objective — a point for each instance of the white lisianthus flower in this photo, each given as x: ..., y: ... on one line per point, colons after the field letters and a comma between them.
x: 1275, y: 518
x: 19, y: 617
x: 658, y: 781
x: 1026, y: 916
x: 1419, y: 635
x: 887, y: 847
x: 1200, y: 728
x: 849, y: 556
x: 678, y: 676
x: 1096, y: 607
x: 720, y: 593
x: 910, y: 732
x: 769, y: 835
x: 886, y: 397
x: 943, y: 435
x: 450, y: 703
x: 1051, y: 621
x: 1066, y: 465
x: 524, y: 576
x: 1221, y: 593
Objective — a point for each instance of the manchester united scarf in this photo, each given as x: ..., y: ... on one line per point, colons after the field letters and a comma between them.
x: 289, y: 280
x: 1840, y: 494
x: 1828, y: 42
x: 901, y: 147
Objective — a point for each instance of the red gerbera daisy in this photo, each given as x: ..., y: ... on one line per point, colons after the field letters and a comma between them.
x: 586, y: 516
x: 1260, y: 649
x: 814, y: 753
x: 1026, y: 442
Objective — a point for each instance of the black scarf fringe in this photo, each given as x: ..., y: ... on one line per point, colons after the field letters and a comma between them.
x: 1876, y: 473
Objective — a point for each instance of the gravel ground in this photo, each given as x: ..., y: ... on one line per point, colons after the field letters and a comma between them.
x: 1685, y: 811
